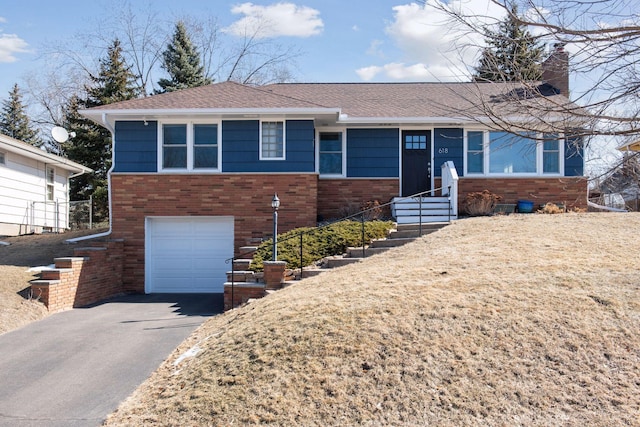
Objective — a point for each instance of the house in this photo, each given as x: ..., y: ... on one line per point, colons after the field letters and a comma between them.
x: 34, y: 188
x: 194, y: 171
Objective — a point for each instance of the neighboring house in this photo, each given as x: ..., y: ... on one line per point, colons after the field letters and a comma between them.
x: 194, y: 171
x: 620, y: 188
x: 34, y: 188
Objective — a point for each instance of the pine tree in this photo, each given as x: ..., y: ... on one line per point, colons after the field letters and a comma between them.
x: 14, y: 121
x: 182, y: 62
x: 92, y: 144
x: 512, y: 54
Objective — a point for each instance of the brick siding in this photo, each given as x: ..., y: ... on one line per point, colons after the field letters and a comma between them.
x: 339, y: 197
x: 246, y: 197
x: 572, y: 192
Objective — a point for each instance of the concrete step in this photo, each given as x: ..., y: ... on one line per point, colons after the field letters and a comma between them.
x: 390, y: 242
x: 425, y: 219
x: 357, y: 252
x: 410, y: 233
x: 246, y: 252
x: 416, y: 227
x: 241, y: 276
x: 339, y: 262
x: 312, y: 272
x: 428, y: 210
x: 241, y: 264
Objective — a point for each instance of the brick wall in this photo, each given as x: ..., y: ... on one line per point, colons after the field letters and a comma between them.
x: 242, y: 292
x: 337, y: 196
x: 568, y: 190
x: 246, y: 197
x: 92, y: 274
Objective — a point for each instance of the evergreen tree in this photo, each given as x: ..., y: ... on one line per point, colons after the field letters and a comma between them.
x: 92, y: 144
x: 182, y: 62
x: 14, y: 121
x: 512, y: 54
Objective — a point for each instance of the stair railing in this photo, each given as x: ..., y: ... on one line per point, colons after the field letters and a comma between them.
x: 450, y: 182
x: 361, y: 216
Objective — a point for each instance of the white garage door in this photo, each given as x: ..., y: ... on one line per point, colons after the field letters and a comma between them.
x: 187, y: 254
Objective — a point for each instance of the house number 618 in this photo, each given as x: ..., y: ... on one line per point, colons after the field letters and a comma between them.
x: 443, y: 150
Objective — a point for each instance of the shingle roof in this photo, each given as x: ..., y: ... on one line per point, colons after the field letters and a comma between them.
x: 213, y: 96
x: 372, y: 100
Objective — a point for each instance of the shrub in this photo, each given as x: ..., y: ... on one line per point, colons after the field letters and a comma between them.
x: 551, y: 208
x: 480, y: 203
x: 318, y: 243
x: 372, y: 208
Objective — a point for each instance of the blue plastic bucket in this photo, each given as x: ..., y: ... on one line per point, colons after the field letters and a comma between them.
x: 525, y: 206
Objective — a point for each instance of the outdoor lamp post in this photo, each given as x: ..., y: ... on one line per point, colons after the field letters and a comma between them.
x: 275, y: 204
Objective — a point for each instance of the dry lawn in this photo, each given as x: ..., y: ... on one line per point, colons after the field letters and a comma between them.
x: 504, y: 321
x: 17, y: 306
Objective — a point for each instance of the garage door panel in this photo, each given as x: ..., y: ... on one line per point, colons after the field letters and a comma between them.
x: 187, y: 254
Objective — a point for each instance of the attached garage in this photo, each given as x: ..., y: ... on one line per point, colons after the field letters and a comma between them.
x: 187, y: 254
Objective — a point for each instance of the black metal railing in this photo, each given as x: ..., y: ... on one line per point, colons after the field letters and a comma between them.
x: 361, y: 215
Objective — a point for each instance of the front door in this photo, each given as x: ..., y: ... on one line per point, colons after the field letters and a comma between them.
x: 416, y: 161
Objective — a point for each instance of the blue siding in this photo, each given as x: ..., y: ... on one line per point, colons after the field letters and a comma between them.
x: 448, y: 144
x: 240, y: 147
x: 573, y: 157
x: 136, y: 147
x: 373, y: 153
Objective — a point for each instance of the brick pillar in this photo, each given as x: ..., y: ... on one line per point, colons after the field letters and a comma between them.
x: 274, y: 274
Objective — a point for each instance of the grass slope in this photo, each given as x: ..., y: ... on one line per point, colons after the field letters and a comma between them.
x: 518, y: 320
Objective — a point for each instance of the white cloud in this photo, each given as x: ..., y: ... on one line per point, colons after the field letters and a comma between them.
x: 432, y: 46
x: 10, y: 44
x: 279, y: 19
x: 375, y: 48
x: 2, y: 19
x: 395, y: 71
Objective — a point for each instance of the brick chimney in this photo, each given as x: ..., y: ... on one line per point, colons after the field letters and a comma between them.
x: 555, y: 69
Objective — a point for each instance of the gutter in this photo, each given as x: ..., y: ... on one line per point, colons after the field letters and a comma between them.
x: 111, y: 129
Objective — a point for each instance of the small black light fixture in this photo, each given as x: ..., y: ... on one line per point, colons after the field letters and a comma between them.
x: 275, y: 204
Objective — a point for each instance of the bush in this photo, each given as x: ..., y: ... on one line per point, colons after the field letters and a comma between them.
x: 480, y: 203
x: 318, y: 243
x: 551, y: 208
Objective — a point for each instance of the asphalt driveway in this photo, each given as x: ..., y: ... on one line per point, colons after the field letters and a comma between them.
x: 74, y: 368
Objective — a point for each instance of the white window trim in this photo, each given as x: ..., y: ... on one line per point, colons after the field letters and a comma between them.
x: 344, y: 152
x: 190, y: 146
x: 487, y: 153
x: 284, y: 139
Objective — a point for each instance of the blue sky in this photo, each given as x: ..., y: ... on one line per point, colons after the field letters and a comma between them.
x: 348, y: 41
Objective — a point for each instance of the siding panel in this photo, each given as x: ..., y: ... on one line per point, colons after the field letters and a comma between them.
x: 373, y: 153
x: 136, y: 147
x: 448, y: 144
x: 240, y: 147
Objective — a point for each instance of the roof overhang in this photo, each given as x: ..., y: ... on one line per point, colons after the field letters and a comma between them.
x: 109, y: 117
x: 15, y: 146
x: 630, y: 146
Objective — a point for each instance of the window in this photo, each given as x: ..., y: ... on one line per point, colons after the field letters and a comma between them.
x: 174, y: 146
x: 272, y: 141
x: 51, y: 180
x: 330, y: 153
x: 3, y: 160
x: 205, y: 146
x: 503, y: 153
x: 509, y: 153
x: 551, y: 154
x: 475, y: 152
x: 189, y: 146
x: 415, y: 142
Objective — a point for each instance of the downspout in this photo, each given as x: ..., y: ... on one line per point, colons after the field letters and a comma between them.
x: 113, y: 164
